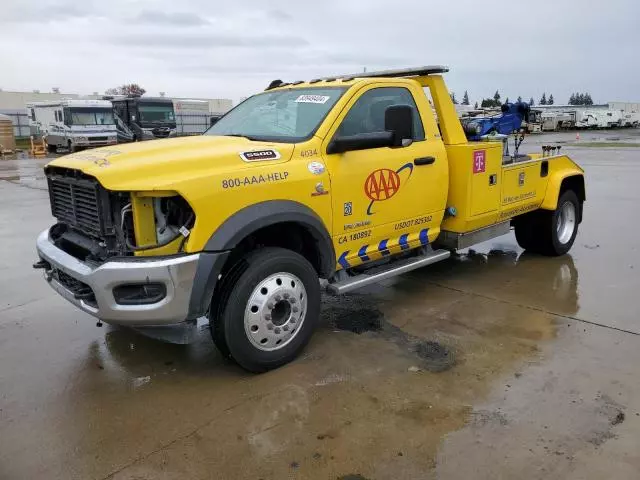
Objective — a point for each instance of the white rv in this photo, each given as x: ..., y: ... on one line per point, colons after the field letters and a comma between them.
x: 586, y: 119
x: 555, y: 121
x: 630, y: 119
x: 74, y: 124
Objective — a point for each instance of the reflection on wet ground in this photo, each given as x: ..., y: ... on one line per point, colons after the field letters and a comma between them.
x: 23, y: 170
x: 493, y: 364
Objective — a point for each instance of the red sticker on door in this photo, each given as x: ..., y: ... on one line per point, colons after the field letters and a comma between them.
x: 479, y: 161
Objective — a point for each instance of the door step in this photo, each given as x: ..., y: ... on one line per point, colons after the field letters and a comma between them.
x: 388, y: 271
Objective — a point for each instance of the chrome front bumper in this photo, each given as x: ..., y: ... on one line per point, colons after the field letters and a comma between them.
x: 176, y: 273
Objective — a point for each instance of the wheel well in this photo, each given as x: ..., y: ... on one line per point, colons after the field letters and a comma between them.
x: 289, y: 235
x: 575, y: 183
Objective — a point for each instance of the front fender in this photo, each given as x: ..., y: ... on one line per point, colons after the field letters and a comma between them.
x: 563, y: 173
x: 242, y: 224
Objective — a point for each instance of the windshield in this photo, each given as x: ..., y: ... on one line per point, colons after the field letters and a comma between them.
x: 90, y: 116
x: 282, y: 116
x: 156, y: 112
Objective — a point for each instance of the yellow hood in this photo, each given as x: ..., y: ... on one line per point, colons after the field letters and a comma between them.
x: 158, y: 164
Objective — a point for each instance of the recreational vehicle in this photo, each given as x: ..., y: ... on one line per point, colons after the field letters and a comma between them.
x: 73, y: 124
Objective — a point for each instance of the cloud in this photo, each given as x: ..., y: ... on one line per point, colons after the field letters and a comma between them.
x: 230, y: 49
x: 208, y: 40
x: 178, y: 19
x: 45, y: 11
x: 278, y: 14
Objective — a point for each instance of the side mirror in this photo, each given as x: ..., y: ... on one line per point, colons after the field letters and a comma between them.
x: 361, y: 141
x: 398, y: 119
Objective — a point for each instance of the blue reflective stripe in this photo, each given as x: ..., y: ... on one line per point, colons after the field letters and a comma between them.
x: 424, y: 236
x: 404, y: 244
x: 343, y: 260
x: 362, y: 253
x: 382, y: 247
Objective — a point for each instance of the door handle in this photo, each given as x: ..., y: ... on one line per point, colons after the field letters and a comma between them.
x: 424, y: 161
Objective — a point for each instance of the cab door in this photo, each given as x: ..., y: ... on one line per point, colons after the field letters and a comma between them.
x: 386, y: 199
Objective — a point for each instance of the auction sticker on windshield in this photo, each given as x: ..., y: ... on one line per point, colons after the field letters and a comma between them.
x: 312, y: 99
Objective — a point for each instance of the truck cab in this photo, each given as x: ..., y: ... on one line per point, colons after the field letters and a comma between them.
x: 350, y: 179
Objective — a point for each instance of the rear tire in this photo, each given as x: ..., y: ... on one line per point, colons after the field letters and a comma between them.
x: 550, y: 233
x: 268, y: 308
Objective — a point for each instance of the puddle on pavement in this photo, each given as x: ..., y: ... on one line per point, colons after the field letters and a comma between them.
x: 386, y: 377
x: 23, y: 170
x: 433, y: 356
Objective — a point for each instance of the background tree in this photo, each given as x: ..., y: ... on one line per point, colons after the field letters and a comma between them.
x: 507, y: 100
x: 465, y: 98
x: 531, y: 102
x: 476, y: 106
x: 580, y: 99
x: 519, y: 99
x: 550, y: 101
x: 543, y: 100
x: 453, y: 98
x: 496, y: 98
x: 127, y: 89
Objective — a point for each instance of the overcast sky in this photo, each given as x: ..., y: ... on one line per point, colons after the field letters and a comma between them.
x: 229, y: 49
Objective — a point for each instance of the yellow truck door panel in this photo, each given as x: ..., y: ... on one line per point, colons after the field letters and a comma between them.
x: 384, y: 199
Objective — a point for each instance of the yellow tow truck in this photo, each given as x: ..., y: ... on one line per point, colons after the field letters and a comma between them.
x: 350, y: 179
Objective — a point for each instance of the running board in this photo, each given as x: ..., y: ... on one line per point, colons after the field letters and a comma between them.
x: 397, y: 268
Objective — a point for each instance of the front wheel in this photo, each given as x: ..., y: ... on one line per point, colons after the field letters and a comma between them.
x: 271, y: 305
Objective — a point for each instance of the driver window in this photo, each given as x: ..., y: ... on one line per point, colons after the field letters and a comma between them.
x: 367, y: 114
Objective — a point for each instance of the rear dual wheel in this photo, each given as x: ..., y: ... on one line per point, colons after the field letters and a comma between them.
x: 550, y: 233
x: 268, y: 308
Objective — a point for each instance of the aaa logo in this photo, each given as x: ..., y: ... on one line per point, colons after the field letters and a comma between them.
x: 382, y: 184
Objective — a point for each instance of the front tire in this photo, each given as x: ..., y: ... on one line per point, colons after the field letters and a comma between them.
x: 271, y: 305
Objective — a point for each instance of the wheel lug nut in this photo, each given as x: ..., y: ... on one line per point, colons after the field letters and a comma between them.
x: 285, y: 295
x: 277, y: 330
x: 267, y: 316
x: 278, y: 298
x: 270, y: 306
x: 292, y: 300
x: 270, y: 326
x: 286, y: 328
x: 294, y: 309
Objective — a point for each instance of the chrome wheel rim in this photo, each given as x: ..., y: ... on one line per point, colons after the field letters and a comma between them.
x: 566, y: 222
x: 275, y: 311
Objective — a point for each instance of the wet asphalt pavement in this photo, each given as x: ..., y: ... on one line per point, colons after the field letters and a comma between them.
x: 493, y: 364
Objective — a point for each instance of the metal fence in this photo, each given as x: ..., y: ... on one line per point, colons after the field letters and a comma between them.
x: 20, y: 120
x: 186, y: 123
x: 193, y: 123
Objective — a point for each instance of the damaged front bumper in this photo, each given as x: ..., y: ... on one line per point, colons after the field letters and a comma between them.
x: 97, y: 290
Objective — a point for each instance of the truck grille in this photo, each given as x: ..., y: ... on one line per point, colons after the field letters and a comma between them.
x: 75, y: 201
